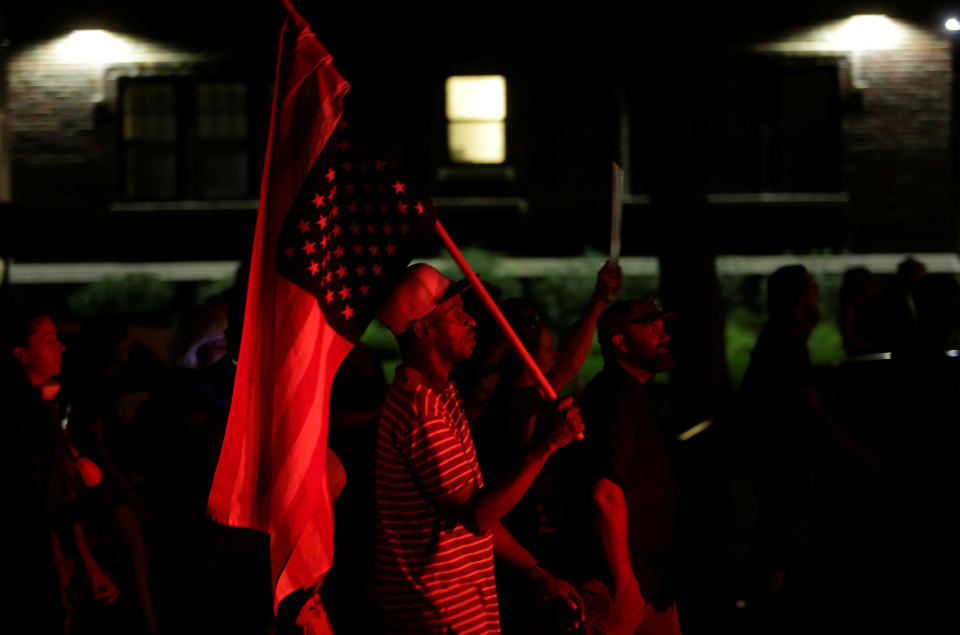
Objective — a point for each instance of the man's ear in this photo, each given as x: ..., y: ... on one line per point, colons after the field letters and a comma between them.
x: 618, y: 342
x: 20, y: 354
x: 420, y: 329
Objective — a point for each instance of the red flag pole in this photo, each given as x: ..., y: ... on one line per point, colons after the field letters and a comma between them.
x: 494, y: 310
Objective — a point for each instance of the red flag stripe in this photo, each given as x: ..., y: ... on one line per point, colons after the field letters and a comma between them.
x: 272, y: 470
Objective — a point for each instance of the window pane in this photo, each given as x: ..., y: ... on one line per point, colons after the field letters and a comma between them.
x: 477, y: 142
x: 222, y: 111
x: 149, y: 112
x: 223, y: 172
x: 476, y: 97
x: 151, y: 172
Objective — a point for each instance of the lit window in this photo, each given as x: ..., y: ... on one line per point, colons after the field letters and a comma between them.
x: 476, y: 113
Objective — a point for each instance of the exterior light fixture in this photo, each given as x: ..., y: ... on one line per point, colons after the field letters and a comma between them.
x: 952, y: 24
x: 867, y: 32
x: 93, y: 46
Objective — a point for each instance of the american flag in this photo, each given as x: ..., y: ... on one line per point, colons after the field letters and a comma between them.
x: 353, y: 228
x: 336, y: 224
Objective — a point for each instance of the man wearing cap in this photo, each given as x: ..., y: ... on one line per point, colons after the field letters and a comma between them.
x: 438, y: 524
x: 625, y: 477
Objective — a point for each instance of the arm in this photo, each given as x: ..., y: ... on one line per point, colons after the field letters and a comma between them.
x: 114, y: 469
x: 491, y: 503
x: 513, y: 553
x: 574, y: 351
x: 434, y: 453
x: 839, y: 433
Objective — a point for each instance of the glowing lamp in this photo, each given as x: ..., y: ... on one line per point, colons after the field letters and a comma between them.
x: 93, y: 46
x: 867, y: 32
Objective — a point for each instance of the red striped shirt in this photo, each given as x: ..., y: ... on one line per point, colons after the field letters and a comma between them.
x: 432, y: 574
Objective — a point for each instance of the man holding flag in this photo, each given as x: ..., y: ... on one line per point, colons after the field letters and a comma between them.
x: 336, y: 227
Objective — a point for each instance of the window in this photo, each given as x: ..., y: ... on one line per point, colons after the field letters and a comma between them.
x: 476, y: 114
x: 774, y: 126
x: 223, y: 165
x: 186, y: 138
x: 150, y: 139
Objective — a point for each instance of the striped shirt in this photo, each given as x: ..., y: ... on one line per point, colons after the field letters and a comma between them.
x: 432, y: 575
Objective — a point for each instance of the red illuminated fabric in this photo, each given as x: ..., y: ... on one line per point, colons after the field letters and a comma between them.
x: 271, y: 475
x: 432, y: 574
x: 334, y: 229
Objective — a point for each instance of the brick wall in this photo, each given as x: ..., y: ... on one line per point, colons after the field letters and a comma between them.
x: 62, y: 126
x: 896, y: 125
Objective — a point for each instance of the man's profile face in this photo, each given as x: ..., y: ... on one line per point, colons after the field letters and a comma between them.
x: 647, y: 345
x: 41, y: 356
x: 451, y: 329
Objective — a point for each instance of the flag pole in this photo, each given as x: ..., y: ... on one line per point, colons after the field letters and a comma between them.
x: 495, y: 312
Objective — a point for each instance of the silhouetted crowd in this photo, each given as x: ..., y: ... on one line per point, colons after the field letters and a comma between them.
x: 818, y: 502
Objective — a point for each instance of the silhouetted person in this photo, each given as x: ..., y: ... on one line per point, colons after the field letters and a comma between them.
x: 53, y: 571
x: 936, y: 298
x: 787, y: 430
x: 899, y: 311
x: 197, y: 338
x: 916, y: 404
x: 355, y: 400
x: 861, y: 313
x: 107, y: 368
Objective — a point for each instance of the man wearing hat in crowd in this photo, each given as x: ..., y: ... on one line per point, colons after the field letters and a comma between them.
x: 438, y: 523
x: 624, y: 476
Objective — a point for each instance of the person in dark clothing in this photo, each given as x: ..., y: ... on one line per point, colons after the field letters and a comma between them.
x: 625, y: 477
x: 515, y: 418
x: 782, y: 409
x: 107, y: 371
x: 30, y: 427
x: 46, y: 478
x: 895, y: 530
x: 787, y: 433
x: 900, y: 313
x: 861, y: 312
x: 355, y: 401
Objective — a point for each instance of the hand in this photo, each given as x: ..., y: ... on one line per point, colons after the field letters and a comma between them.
x: 609, y: 282
x: 564, y: 593
x: 104, y: 590
x: 567, y: 425
x: 313, y: 618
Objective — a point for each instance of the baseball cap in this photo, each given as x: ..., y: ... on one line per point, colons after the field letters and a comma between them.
x: 418, y: 291
x: 616, y: 318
